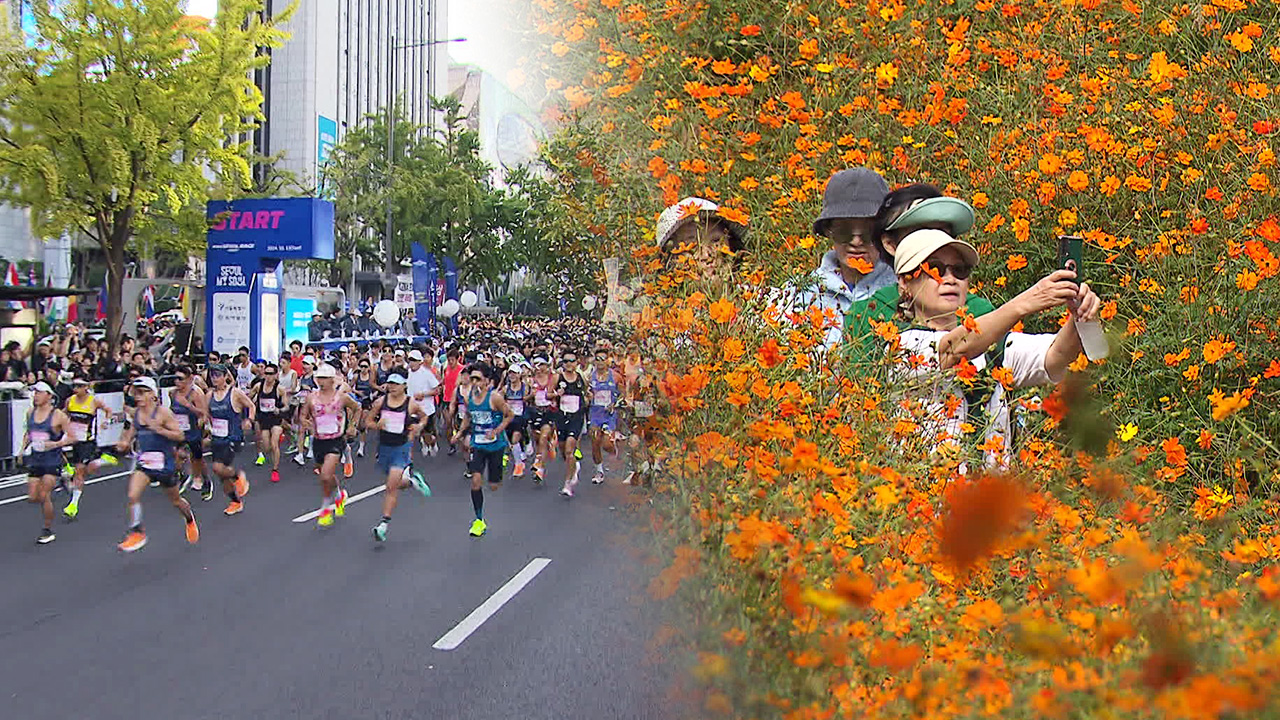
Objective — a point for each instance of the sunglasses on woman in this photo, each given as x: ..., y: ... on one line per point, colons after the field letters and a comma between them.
x: 959, y: 272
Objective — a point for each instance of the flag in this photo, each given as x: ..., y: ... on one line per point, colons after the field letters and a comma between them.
x: 102, y: 303
x: 73, y: 308
x: 149, y: 302
x: 11, y: 280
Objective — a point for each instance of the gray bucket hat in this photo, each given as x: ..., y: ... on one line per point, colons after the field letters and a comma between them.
x: 853, y: 193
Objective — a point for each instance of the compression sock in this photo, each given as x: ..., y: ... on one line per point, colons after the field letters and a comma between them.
x: 135, y: 516
x: 75, y: 496
x: 477, y: 502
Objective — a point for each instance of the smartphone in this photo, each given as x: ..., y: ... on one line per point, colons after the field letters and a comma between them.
x: 1071, y: 255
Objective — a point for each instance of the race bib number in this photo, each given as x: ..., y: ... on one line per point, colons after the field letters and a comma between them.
x: 184, y: 422
x: 570, y: 403
x: 517, y: 406
x: 327, y: 425
x: 267, y: 405
x: 603, y: 398
x: 219, y: 427
x: 39, y: 439
x: 393, y: 422
x: 643, y: 409
x: 79, y: 431
x: 152, y: 460
x: 540, y: 397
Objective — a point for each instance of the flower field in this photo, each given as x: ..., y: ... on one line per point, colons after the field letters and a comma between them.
x: 825, y: 564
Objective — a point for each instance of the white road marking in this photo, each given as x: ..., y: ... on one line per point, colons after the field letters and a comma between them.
x: 460, y: 632
x: 353, y: 499
x: 23, y: 498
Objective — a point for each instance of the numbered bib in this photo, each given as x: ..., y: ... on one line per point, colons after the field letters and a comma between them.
x: 393, y: 421
x: 327, y: 425
x: 153, y: 460
x: 184, y: 422
x: 267, y: 404
x: 219, y: 427
x: 570, y: 403
x: 643, y: 409
x: 79, y: 431
x: 540, y: 397
x: 603, y: 398
x: 517, y: 406
x: 38, y: 440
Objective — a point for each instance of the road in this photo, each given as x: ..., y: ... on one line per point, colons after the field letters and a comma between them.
x: 271, y: 618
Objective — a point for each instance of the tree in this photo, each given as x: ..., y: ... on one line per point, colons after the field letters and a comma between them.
x: 123, y: 117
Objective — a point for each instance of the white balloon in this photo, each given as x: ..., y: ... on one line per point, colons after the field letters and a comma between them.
x: 451, y: 307
x: 469, y: 299
x: 589, y: 302
x: 440, y: 311
x: 386, y: 313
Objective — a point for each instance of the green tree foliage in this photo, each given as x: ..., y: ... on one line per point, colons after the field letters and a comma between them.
x: 124, y: 116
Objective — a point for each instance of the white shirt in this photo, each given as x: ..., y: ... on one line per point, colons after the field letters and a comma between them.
x: 918, y: 376
x: 423, y: 380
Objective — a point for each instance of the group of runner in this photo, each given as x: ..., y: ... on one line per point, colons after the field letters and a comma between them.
x: 509, y: 395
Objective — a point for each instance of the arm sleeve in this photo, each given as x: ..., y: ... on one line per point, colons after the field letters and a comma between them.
x: 1024, y: 355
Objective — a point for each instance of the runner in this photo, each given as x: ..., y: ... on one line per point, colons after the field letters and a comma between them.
x: 515, y: 390
x: 569, y: 389
x: 190, y: 406
x: 227, y: 422
x: 390, y: 415
x: 330, y: 414
x: 424, y: 388
x: 157, y: 432
x: 362, y: 383
x: 488, y: 416
x: 47, y: 433
x: 542, y: 421
x: 306, y: 386
x: 83, y: 408
x: 603, y: 415
x: 271, y: 400
x: 452, y: 370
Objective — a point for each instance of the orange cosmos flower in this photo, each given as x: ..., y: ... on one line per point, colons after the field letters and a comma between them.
x: 979, y: 515
x: 723, y: 311
x: 1222, y: 407
x: 770, y: 354
x: 1216, y: 349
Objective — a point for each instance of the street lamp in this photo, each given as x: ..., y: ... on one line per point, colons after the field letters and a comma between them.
x: 391, y: 131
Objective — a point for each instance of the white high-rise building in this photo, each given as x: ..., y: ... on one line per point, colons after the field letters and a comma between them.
x: 348, y: 59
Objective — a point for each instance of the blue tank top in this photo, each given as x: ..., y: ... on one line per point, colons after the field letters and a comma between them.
x: 191, y: 425
x: 484, y: 420
x: 41, y: 434
x: 224, y: 421
x: 155, y: 451
x: 515, y: 398
x: 604, y: 393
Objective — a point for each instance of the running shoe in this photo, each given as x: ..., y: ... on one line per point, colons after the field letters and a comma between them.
x: 326, y: 517
x: 242, y: 484
x: 68, y: 472
x: 360, y: 450
x: 539, y: 474
x: 262, y: 460
x: 348, y: 468
x: 134, y: 540
x: 340, y: 508
x: 380, y: 532
x: 519, y: 471
x: 300, y: 459
x: 577, y: 453
x: 154, y: 483
x: 109, y: 459
x: 567, y: 492
x: 206, y: 494
x: 185, y: 484
x: 453, y: 450
x: 506, y: 460
x: 234, y: 508
x: 598, y: 478
x: 193, y: 531
x: 478, y: 528
x: 71, y: 510
x: 46, y: 537
x: 630, y: 476
x: 418, y: 481
x: 275, y: 476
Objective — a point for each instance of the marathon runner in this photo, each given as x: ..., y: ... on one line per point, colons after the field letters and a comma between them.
x: 603, y: 415
x: 542, y: 421
x: 568, y: 391
x: 515, y: 390
x: 83, y: 408
x: 487, y: 418
x: 48, y: 431
x: 271, y: 401
x: 331, y: 416
x: 189, y: 406
x: 391, y: 416
x: 157, y: 431
x: 227, y: 420
x: 424, y: 388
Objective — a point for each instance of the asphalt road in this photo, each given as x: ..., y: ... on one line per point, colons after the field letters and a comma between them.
x: 268, y: 618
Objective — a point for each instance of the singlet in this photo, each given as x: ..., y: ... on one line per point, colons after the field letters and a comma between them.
x: 515, y: 398
x: 484, y: 421
x: 306, y: 386
x: 269, y: 403
x: 84, y: 419
x: 41, y: 433
x: 155, y: 451
x: 604, y: 392
x: 362, y: 387
x: 396, y: 432
x: 224, y: 421
x: 571, y: 393
x: 188, y: 418
x: 540, y: 398
x: 287, y: 379
x: 330, y: 417
x: 244, y: 376
x: 451, y: 380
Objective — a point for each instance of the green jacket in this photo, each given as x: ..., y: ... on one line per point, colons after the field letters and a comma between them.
x: 862, y: 345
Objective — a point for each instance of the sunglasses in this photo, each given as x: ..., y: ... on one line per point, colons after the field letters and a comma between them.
x: 477, y: 378
x: 270, y: 372
x: 959, y: 272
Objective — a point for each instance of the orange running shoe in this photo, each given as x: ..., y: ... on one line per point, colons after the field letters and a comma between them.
x: 242, y: 484
x: 275, y: 476
x: 134, y: 541
x: 234, y: 508
x: 348, y: 468
x: 193, y: 531
x: 519, y: 471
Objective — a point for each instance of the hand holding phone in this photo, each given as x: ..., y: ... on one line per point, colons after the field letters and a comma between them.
x: 1071, y: 257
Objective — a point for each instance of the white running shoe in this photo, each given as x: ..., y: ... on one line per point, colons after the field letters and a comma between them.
x: 598, y: 478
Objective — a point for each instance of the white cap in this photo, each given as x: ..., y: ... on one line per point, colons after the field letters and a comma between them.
x: 685, y: 211
x: 917, y: 246
x: 308, y: 360
x: 146, y: 382
x: 415, y: 355
x: 396, y: 378
x: 400, y: 352
x: 41, y: 386
x: 326, y: 371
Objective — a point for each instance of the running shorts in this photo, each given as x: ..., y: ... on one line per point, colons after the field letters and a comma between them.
x: 166, y: 478
x: 40, y: 471
x: 491, y: 460
x: 541, y: 419
x: 394, y: 456
x: 569, y: 426
x: 331, y: 446
x: 266, y: 421
x: 223, y: 452
x: 606, y: 420
x: 195, y: 446
x: 85, y: 452
x: 518, y: 425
